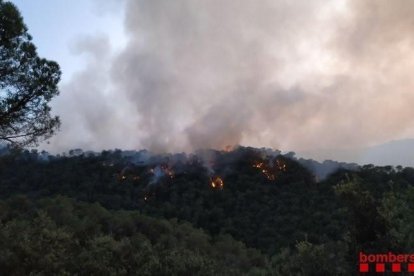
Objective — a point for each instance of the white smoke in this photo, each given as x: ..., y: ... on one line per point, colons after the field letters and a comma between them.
x: 299, y: 75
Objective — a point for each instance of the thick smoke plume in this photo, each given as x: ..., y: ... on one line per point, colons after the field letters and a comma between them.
x: 301, y: 75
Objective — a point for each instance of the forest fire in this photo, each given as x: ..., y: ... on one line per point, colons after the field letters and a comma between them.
x: 168, y: 171
x: 281, y: 165
x: 216, y: 182
x: 271, y: 171
x: 265, y: 170
x: 161, y: 171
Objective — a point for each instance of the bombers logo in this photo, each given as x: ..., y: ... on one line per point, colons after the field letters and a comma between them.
x: 386, y: 262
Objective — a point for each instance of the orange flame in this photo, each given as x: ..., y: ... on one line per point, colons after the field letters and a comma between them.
x: 216, y: 182
x: 271, y: 172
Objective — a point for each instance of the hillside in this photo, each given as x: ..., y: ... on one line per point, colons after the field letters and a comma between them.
x: 267, y: 201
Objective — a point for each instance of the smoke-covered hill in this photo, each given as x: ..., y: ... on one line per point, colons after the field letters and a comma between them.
x: 228, y: 192
x: 267, y: 200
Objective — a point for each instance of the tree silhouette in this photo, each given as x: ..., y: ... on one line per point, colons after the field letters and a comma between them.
x: 27, y: 83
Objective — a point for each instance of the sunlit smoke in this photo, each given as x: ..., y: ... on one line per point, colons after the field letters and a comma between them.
x: 300, y: 75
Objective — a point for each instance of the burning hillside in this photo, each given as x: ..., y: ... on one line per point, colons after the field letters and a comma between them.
x: 235, y: 192
x: 153, y: 172
x: 271, y: 170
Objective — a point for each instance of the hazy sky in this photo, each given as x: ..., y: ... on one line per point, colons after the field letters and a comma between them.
x: 308, y: 76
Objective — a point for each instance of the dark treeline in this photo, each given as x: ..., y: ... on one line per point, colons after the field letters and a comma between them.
x: 268, y: 215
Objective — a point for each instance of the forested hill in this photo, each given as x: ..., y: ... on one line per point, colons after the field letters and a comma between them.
x: 267, y: 201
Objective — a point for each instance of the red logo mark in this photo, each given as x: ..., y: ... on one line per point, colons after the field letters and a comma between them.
x: 363, y: 268
x: 386, y: 262
x: 396, y: 267
x: 380, y: 267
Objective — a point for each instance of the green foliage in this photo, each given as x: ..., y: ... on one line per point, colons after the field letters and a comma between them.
x: 58, y: 236
x: 264, y: 214
x: 398, y: 211
x: 304, y: 227
x: 310, y: 259
x: 367, y: 227
x: 27, y: 83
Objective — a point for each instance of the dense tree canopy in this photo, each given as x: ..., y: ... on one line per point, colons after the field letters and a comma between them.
x: 285, y: 221
x: 27, y: 83
x: 58, y: 236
